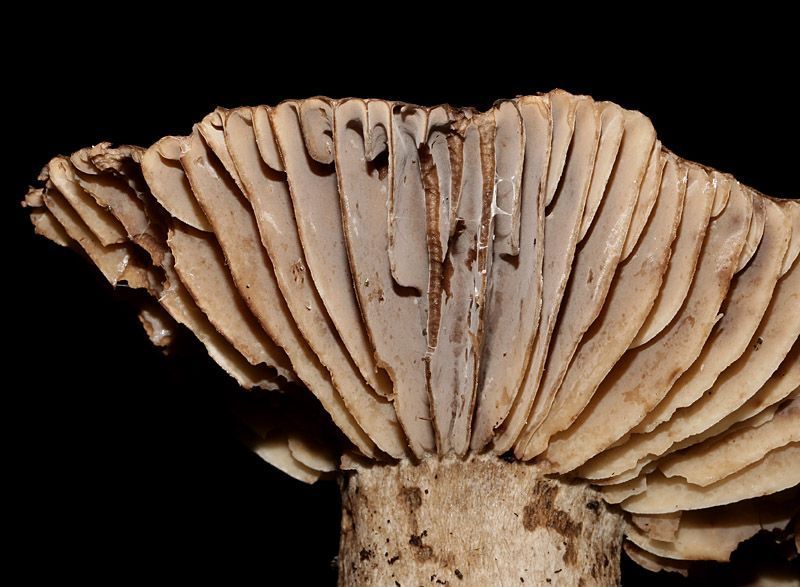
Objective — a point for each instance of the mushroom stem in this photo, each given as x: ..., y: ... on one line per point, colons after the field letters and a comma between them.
x: 480, y: 521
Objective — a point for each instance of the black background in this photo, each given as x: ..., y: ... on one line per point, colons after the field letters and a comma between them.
x: 122, y: 463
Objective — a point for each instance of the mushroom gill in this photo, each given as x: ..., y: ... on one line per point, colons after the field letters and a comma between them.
x: 542, y: 282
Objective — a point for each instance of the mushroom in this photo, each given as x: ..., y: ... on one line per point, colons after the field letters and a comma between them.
x: 537, y: 307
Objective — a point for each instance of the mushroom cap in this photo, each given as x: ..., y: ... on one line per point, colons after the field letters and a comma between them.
x: 543, y: 278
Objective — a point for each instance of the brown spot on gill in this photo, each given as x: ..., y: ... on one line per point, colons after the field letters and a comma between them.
x: 430, y: 183
x: 376, y: 295
x: 455, y: 145
x: 472, y: 254
x: 487, y: 129
x: 298, y: 272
